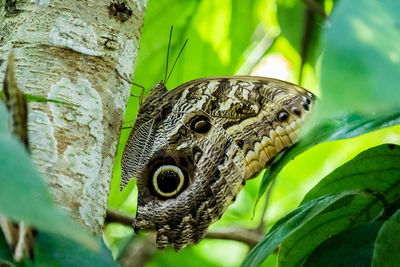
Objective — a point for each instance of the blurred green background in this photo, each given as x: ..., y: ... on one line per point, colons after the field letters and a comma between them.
x: 351, y: 60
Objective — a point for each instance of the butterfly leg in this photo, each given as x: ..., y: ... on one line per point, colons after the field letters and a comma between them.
x: 135, y: 84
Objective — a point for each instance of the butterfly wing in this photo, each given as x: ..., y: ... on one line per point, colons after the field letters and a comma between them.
x: 193, y: 148
x: 261, y: 114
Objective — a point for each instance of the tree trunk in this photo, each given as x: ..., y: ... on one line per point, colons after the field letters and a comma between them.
x: 69, y: 51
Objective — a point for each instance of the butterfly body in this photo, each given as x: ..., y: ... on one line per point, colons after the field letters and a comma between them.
x: 193, y: 148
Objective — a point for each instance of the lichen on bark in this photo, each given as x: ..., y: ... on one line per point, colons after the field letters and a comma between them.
x: 70, y: 51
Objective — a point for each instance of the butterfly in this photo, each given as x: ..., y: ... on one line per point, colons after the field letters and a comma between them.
x: 193, y: 148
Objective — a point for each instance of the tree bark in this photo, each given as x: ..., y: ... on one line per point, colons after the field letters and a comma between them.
x: 69, y: 51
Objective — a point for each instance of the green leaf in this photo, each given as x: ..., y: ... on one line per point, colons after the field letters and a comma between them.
x: 360, y: 66
x: 240, y: 32
x: 376, y: 169
x: 4, y: 126
x: 6, y: 257
x: 54, y: 250
x: 341, y: 127
x: 387, y: 245
x: 346, y: 213
x: 293, y: 222
x: 290, y: 15
x: 292, y: 21
x: 219, y: 32
x: 359, y: 97
x: 33, y: 98
x: 186, y: 257
x: 355, y: 245
x: 25, y: 196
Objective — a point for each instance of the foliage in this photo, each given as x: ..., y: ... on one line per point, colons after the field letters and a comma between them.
x: 349, y: 59
x: 358, y: 79
x: 362, y: 191
x: 352, y: 34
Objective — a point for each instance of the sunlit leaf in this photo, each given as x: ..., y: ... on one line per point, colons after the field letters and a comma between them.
x: 360, y: 67
x: 182, y: 259
x: 219, y: 33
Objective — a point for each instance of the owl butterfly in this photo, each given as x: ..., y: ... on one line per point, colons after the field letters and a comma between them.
x: 192, y: 149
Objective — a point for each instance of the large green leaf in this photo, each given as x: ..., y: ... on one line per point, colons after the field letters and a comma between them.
x: 350, y: 247
x: 293, y: 222
x: 374, y: 172
x: 54, y: 250
x: 25, y: 196
x: 376, y: 169
x: 361, y: 62
x: 346, y: 213
x: 387, y: 245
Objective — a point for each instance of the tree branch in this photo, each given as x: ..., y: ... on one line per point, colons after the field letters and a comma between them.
x: 260, y: 227
x: 118, y: 217
x: 249, y: 237
x: 138, y: 252
x: 315, y: 7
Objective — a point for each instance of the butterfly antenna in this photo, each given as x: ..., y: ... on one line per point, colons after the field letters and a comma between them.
x: 169, y: 45
x: 173, y: 66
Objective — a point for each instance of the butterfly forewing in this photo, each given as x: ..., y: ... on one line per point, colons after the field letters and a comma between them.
x: 213, y: 133
x: 262, y: 115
